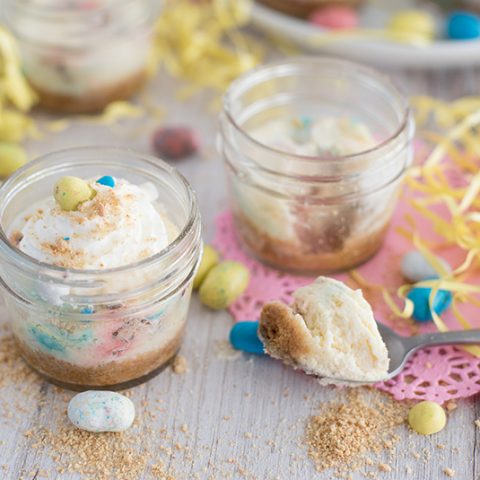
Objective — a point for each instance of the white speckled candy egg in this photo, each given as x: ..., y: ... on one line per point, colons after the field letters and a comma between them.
x: 415, y: 267
x: 101, y: 411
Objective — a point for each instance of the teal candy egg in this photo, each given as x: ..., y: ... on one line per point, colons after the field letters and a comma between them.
x: 463, y: 26
x: 243, y: 336
x: 107, y: 180
x: 422, y: 311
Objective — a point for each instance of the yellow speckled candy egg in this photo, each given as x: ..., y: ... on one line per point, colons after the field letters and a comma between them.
x: 12, y: 157
x: 413, y: 25
x: 223, y: 284
x: 70, y: 192
x: 209, y: 260
x: 427, y: 418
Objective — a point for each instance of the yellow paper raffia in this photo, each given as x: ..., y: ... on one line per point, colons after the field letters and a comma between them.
x: 200, y: 42
x: 16, y: 96
x: 453, y: 132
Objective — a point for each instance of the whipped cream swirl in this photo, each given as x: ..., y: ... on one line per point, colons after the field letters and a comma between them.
x: 119, y: 226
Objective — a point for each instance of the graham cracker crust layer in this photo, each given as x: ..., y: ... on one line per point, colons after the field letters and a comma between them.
x: 288, y: 256
x: 111, y: 374
x: 93, y: 101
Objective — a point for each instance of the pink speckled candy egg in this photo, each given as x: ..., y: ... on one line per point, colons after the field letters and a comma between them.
x: 335, y: 17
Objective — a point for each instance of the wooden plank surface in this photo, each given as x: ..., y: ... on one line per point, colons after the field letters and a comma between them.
x: 238, y: 417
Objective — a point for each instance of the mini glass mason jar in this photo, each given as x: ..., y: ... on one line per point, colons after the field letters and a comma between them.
x: 100, y: 328
x: 314, y: 213
x: 81, y: 55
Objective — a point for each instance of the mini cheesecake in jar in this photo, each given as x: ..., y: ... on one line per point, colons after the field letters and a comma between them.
x: 81, y: 55
x: 315, y: 152
x: 97, y: 264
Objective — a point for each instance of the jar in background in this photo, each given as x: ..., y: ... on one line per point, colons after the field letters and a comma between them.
x: 100, y: 328
x: 81, y: 55
x: 307, y: 212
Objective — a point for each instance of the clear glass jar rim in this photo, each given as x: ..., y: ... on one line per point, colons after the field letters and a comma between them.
x: 47, y: 13
x: 263, y: 71
x: 153, y: 162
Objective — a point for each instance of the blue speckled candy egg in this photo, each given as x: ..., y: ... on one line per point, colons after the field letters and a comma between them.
x: 420, y: 295
x: 463, y: 26
x: 243, y: 336
x: 101, y: 411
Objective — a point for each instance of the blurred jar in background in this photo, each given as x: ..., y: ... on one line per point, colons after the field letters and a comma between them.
x: 81, y: 55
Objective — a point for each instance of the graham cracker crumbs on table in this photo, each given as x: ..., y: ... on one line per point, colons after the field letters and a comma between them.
x: 384, y: 467
x: 343, y: 435
x: 441, y: 446
x: 179, y: 365
x: 477, y: 422
x: 450, y: 405
x: 449, y: 472
x: 225, y: 351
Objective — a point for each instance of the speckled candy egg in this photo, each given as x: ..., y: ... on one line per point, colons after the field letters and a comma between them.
x: 12, y: 157
x: 413, y: 24
x: 335, y: 17
x: 463, y: 26
x: 101, y: 411
x: 416, y: 268
x: 175, y: 143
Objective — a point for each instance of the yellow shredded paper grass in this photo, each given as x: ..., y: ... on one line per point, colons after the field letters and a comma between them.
x: 452, y: 131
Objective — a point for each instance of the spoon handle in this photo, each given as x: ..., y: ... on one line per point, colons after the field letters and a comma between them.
x: 445, y: 338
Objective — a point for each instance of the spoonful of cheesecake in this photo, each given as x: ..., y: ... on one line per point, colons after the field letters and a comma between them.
x: 330, y: 331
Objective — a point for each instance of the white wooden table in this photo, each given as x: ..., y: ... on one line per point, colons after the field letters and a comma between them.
x: 244, y: 416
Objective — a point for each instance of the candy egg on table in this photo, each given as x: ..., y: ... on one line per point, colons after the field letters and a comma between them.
x: 427, y: 418
x: 209, y: 260
x: 420, y: 297
x: 101, y: 411
x: 335, y: 17
x: 413, y: 24
x: 243, y: 336
x: 223, y: 284
x: 70, y: 192
x: 175, y: 143
x: 416, y: 268
x: 463, y: 26
x: 12, y: 157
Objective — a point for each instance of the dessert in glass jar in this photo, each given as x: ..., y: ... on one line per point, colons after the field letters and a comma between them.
x: 81, y: 55
x: 315, y: 152
x: 97, y: 269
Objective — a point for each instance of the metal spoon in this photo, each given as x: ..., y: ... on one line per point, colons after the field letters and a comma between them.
x: 401, y: 348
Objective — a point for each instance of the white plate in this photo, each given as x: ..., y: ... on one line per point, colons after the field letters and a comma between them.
x: 439, y: 54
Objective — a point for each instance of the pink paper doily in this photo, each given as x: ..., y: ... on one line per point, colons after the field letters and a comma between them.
x: 436, y: 373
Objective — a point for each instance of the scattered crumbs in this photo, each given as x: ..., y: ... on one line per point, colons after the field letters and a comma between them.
x: 415, y: 455
x: 440, y: 446
x: 226, y: 417
x: 342, y: 434
x: 408, y: 470
x: 184, y: 428
x: 158, y: 471
x: 477, y: 422
x: 224, y: 350
x: 384, y: 467
x: 248, y: 435
x: 450, y: 405
x: 428, y: 365
x: 449, y: 472
x: 179, y: 365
